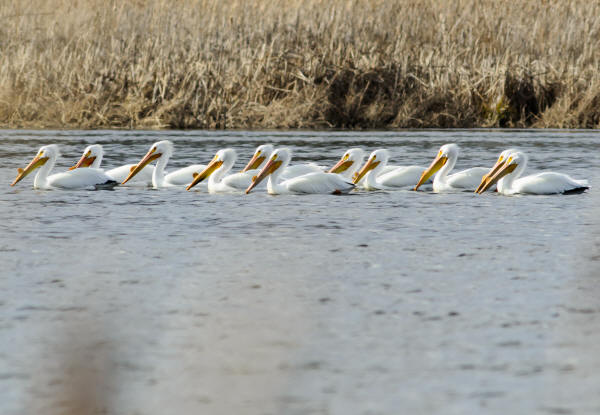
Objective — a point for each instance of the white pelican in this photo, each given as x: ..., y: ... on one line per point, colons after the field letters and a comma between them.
x: 503, y: 156
x: 264, y: 151
x: 376, y: 178
x: 316, y: 182
x: 444, y: 162
x: 45, y: 160
x: 92, y: 157
x: 546, y: 183
x: 221, y: 163
x: 349, y: 163
x: 162, y: 151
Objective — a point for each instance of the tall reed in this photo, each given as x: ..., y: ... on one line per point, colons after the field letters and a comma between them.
x: 299, y: 63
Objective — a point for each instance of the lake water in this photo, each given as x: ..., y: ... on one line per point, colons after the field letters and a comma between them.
x: 139, y: 301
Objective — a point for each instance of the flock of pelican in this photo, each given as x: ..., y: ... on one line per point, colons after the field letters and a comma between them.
x: 283, y: 178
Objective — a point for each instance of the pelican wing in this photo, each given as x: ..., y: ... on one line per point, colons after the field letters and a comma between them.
x: 121, y: 173
x: 547, y: 183
x: 80, y: 179
x: 320, y: 182
x: 251, y: 173
x: 299, y: 170
x: 401, y: 176
x: 467, y: 179
x: 387, y: 168
x: 184, y: 176
x: 239, y: 181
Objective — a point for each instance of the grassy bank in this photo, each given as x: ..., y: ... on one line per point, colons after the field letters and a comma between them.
x: 299, y: 64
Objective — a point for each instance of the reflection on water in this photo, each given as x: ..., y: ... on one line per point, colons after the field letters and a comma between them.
x: 153, y: 301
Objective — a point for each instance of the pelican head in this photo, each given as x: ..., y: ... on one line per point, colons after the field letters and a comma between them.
x: 159, y: 149
x: 514, y: 161
x: 92, y: 156
x: 277, y: 162
x: 261, y: 153
x: 45, y: 153
x: 351, y: 159
x: 503, y: 156
x: 446, y: 152
x: 224, y: 160
x: 377, y: 158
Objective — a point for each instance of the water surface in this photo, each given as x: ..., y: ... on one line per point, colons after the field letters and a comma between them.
x: 140, y: 301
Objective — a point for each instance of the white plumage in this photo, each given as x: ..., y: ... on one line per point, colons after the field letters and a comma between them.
x: 350, y: 163
x: 216, y: 170
x: 377, y: 178
x: 92, y: 157
x: 510, y: 181
x: 45, y: 160
x: 316, y: 182
x: 161, y: 151
x: 486, y: 177
x: 264, y: 152
x: 306, y: 178
x: 443, y: 164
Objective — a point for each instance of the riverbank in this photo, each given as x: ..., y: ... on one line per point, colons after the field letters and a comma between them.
x: 300, y: 64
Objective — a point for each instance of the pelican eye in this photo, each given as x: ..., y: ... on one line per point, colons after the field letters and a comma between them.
x: 274, y: 157
x: 258, y: 153
x: 346, y: 157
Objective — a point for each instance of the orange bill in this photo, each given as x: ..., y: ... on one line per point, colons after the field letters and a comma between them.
x: 269, y: 168
x: 342, y: 165
x: 433, y: 168
x: 38, y: 161
x: 490, y: 174
x: 212, y: 166
x: 506, y: 169
x: 254, y: 162
x: 84, y: 161
x: 369, y: 165
x: 148, y: 158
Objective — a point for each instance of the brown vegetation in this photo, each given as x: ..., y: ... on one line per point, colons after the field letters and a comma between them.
x: 299, y: 64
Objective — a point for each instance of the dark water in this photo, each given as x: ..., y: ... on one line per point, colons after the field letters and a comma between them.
x: 139, y: 301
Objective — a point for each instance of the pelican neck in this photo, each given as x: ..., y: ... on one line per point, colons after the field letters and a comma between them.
x: 96, y: 163
x: 158, y: 176
x: 41, y: 178
x: 440, y: 177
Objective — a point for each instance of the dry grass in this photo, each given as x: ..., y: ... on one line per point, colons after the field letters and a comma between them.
x: 299, y: 64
